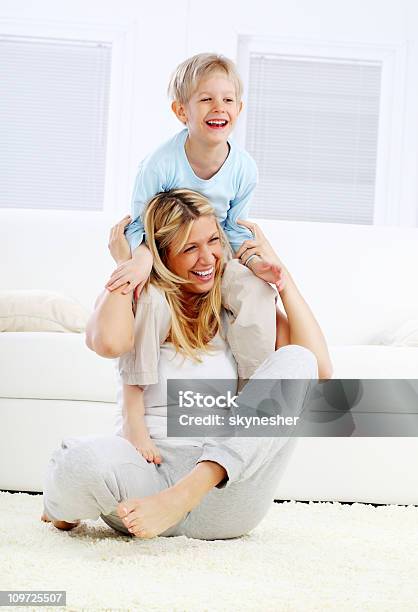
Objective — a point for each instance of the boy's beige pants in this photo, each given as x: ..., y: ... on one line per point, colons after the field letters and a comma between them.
x: 250, y: 304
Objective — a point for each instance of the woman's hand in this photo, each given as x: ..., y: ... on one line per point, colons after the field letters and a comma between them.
x: 135, y: 430
x: 118, y: 245
x: 266, y: 264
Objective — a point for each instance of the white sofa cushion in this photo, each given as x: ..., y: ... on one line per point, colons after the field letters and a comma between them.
x: 54, y: 366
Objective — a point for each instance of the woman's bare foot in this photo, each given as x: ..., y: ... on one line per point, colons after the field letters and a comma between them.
x: 63, y: 525
x: 149, y: 516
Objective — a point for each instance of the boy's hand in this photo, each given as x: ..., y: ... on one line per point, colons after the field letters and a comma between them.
x: 128, y: 273
x: 131, y: 271
x: 134, y: 272
x: 118, y: 245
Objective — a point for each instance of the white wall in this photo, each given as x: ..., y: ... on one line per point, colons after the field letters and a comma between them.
x: 159, y: 34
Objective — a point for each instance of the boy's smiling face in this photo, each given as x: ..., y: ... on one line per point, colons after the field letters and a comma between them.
x: 212, y: 111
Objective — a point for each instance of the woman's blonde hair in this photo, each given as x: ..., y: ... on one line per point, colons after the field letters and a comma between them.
x: 168, y: 221
x: 187, y: 75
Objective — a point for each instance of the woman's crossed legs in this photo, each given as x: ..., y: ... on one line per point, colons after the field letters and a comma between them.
x: 105, y: 476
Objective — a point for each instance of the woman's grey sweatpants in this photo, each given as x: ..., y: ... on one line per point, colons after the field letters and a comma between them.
x: 88, y: 477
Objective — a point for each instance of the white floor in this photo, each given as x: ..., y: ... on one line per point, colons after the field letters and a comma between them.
x: 317, y: 556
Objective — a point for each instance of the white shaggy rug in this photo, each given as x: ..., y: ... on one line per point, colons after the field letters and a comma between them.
x: 317, y: 556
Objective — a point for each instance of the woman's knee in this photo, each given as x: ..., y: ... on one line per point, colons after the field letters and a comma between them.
x: 290, y: 361
x: 94, y: 457
x: 239, y: 523
x: 69, y: 473
x: 75, y: 464
x: 301, y: 360
x: 82, y: 477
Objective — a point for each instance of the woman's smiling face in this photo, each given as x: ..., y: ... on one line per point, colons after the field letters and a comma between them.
x: 200, y: 258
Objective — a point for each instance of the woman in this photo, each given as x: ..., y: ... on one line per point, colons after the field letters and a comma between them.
x: 208, y: 488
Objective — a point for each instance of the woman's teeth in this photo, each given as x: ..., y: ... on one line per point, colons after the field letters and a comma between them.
x: 203, y: 274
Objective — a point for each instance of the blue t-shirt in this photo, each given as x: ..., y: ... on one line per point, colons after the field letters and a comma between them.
x: 229, y: 190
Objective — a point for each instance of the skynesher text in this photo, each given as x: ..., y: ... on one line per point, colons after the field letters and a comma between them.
x: 237, y: 420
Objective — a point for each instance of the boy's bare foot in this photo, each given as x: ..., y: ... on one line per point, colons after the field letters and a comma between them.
x: 149, y: 516
x: 63, y: 525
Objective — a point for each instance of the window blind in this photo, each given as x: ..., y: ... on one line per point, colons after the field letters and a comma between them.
x: 312, y: 128
x: 53, y: 122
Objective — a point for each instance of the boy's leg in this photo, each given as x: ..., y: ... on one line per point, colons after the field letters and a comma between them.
x: 251, y: 328
x: 152, y: 324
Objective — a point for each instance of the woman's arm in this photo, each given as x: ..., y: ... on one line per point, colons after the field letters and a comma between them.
x: 299, y: 326
x: 110, y: 329
x: 302, y: 328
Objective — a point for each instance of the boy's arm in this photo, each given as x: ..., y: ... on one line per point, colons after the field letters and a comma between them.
x: 237, y: 227
x: 136, y: 271
x: 148, y: 183
x: 239, y: 207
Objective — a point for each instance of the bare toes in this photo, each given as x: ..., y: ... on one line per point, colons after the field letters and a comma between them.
x: 125, y: 507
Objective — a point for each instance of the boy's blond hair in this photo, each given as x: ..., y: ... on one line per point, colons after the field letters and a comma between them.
x: 188, y: 74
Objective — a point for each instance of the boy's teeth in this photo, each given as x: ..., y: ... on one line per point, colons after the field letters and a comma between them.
x: 215, y: 122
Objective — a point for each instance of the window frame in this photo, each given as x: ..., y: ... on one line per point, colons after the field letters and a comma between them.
x: 121, y: 96
x: 390, y: 203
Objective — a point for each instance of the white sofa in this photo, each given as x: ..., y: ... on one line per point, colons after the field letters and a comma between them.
x: 358, y: 280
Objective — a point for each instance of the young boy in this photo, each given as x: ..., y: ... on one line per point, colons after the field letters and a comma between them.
x: 206, y: 95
